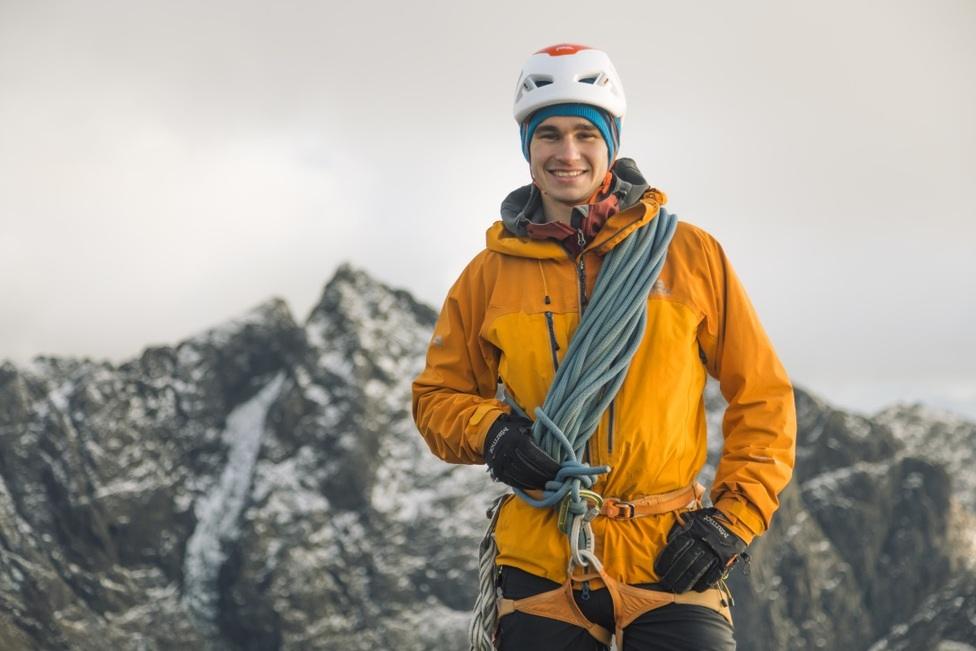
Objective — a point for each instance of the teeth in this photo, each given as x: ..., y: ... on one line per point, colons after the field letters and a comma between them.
x: 566, y: 173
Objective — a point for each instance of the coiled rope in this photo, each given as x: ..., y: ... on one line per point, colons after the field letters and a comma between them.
x: 591, y: 373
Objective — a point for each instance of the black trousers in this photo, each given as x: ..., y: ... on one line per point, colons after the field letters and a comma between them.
x: 676, y: 627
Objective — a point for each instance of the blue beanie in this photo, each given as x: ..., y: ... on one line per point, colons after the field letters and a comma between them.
x: 609, y: 127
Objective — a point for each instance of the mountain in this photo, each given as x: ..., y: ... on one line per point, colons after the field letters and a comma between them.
x: 262, y: 486
x: 874, y: 546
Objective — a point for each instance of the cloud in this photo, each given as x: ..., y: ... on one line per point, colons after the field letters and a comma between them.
x: 164, y: 166
x: 133, y: 230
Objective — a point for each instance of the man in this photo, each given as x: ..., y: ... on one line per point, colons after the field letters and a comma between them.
x: 509, y: 319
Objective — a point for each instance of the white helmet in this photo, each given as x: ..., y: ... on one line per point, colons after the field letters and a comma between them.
x: 568, y: 73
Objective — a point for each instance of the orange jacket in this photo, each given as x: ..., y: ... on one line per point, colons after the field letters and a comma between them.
x: 498, y: 324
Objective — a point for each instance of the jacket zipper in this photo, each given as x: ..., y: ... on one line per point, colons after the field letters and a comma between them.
x: 581, y: 275
x: 553, y: 344
x: 610, y: 430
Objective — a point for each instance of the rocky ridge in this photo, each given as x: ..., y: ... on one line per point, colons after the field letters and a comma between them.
x: 261, y: 486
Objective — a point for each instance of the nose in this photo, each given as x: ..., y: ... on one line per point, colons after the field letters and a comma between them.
x: 568, y: 149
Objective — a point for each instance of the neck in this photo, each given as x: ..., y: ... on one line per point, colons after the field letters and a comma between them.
x: 556, y: 211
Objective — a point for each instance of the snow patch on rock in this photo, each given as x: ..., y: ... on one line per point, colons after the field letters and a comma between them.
x: 218, y: 512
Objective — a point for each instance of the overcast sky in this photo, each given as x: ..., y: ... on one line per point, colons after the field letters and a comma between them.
x: 164, y: 166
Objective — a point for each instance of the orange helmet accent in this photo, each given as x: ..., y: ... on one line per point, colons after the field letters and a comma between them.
x: 562, y: 49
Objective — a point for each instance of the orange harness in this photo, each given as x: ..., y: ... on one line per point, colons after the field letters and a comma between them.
x: 629, y: 602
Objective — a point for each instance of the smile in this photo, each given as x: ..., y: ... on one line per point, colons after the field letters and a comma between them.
x: 567, y: 173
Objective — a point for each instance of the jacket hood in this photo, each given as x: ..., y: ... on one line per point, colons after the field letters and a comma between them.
x: 524, y: 205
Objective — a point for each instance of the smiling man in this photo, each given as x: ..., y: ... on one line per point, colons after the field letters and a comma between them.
x: 505, y: 328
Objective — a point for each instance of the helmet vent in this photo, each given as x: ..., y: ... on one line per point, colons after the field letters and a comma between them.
x: 536, y: 81
x: 589, y: 80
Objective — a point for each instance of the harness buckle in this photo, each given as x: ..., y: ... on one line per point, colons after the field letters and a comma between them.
x: 620, y: 510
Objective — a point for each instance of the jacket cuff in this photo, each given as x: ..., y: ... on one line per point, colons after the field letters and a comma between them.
x: 744, y: 520
x: 479, y: 424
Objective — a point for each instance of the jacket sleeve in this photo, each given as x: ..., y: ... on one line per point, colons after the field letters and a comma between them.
x: 760, y: 421
x: 454, y: 397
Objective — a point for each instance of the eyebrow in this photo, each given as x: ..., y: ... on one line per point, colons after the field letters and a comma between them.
x: 583, y: 125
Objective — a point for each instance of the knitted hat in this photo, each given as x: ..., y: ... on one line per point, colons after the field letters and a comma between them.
x: 608, y: 126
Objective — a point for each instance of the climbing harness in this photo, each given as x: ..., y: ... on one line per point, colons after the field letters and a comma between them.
x: 629, y: 602
x: 592, y: 371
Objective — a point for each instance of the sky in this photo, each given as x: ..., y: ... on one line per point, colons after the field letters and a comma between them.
x: 165, y: 166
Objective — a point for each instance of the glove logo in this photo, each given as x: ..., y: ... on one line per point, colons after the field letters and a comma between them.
x: 501, y: 433
x: 718, y: 527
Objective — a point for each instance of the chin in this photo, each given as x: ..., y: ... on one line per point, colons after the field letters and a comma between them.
x: 573, y: 200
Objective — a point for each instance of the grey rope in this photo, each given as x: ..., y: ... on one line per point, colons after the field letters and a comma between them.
x: 484, y: 618
x: 595, y: 366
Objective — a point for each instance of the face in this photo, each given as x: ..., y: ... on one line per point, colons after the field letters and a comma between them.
x: 568, y: 159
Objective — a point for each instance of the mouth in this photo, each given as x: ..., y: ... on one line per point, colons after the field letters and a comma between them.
x: 567, y: 174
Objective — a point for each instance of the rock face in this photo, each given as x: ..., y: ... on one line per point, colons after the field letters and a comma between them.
x: 874, y: 545
x: 262, y: 486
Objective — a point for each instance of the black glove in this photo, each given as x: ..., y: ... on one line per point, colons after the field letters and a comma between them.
x: 699, y: 552
x: 514, y: 458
